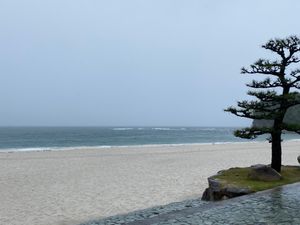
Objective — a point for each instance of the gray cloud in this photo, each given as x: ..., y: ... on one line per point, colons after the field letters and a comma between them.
x: 132, y: 62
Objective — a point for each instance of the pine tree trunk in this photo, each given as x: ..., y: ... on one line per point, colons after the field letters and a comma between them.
x: 276, y: 151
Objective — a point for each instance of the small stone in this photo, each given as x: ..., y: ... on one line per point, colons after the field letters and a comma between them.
x: 264, y: 173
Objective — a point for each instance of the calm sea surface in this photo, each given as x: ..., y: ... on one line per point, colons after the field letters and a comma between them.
x: 47, y: 138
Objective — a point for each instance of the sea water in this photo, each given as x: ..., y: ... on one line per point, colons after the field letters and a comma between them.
x: 56, y: 138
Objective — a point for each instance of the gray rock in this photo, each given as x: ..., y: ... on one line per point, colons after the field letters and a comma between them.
x: 236, y: 191
x: 263, y: 173
x: 220, y: 191
x: 206, y: 195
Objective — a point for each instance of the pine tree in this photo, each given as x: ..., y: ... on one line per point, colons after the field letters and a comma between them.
x: 274, y: 95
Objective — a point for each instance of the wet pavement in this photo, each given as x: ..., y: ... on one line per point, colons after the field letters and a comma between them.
x: 280, y: 206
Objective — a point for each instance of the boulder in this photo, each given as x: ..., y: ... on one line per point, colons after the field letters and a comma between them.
x: 206, y: 195
x: 263, y: 173
x: 218, y: 190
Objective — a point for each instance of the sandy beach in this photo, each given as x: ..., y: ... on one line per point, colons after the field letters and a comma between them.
x: 73, y: 186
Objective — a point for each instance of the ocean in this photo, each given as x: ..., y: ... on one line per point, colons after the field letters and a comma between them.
x: 56, y: 138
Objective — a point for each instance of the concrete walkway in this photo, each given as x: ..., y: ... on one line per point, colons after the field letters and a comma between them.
x: 278, y: 206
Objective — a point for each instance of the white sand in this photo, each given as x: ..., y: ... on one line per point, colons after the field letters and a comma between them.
x: 68, y: 187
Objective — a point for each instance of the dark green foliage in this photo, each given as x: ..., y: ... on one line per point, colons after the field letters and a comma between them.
x: 274, y: 95
x: 292, y: 116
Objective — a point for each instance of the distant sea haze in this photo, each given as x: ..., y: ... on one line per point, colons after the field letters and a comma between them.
x: 57, y: 138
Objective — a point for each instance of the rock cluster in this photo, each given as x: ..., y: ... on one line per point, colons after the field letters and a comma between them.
x: 218, y: 190
x: 263, y: 173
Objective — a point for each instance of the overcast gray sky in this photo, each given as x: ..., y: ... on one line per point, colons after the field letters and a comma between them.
x: 124, y: 63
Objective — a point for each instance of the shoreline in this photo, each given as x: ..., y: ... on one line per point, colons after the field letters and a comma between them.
x: 70, y: 187
x: 45, y: 149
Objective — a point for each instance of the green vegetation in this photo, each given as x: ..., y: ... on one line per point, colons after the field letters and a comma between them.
x: 239, y: 177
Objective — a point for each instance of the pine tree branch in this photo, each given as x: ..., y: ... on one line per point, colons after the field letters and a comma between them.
x: 275, y: 46
x: 290, y: 100
x: 251, y: 114
x: 279, y: 46
x: 264, y: 96
x: 258, y: 106
x: 252, y: 132
x: 296, y: 75
x: 263, y: 66
x: 267, y: 83
x: 297, y: 86
x: 292, y: 59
